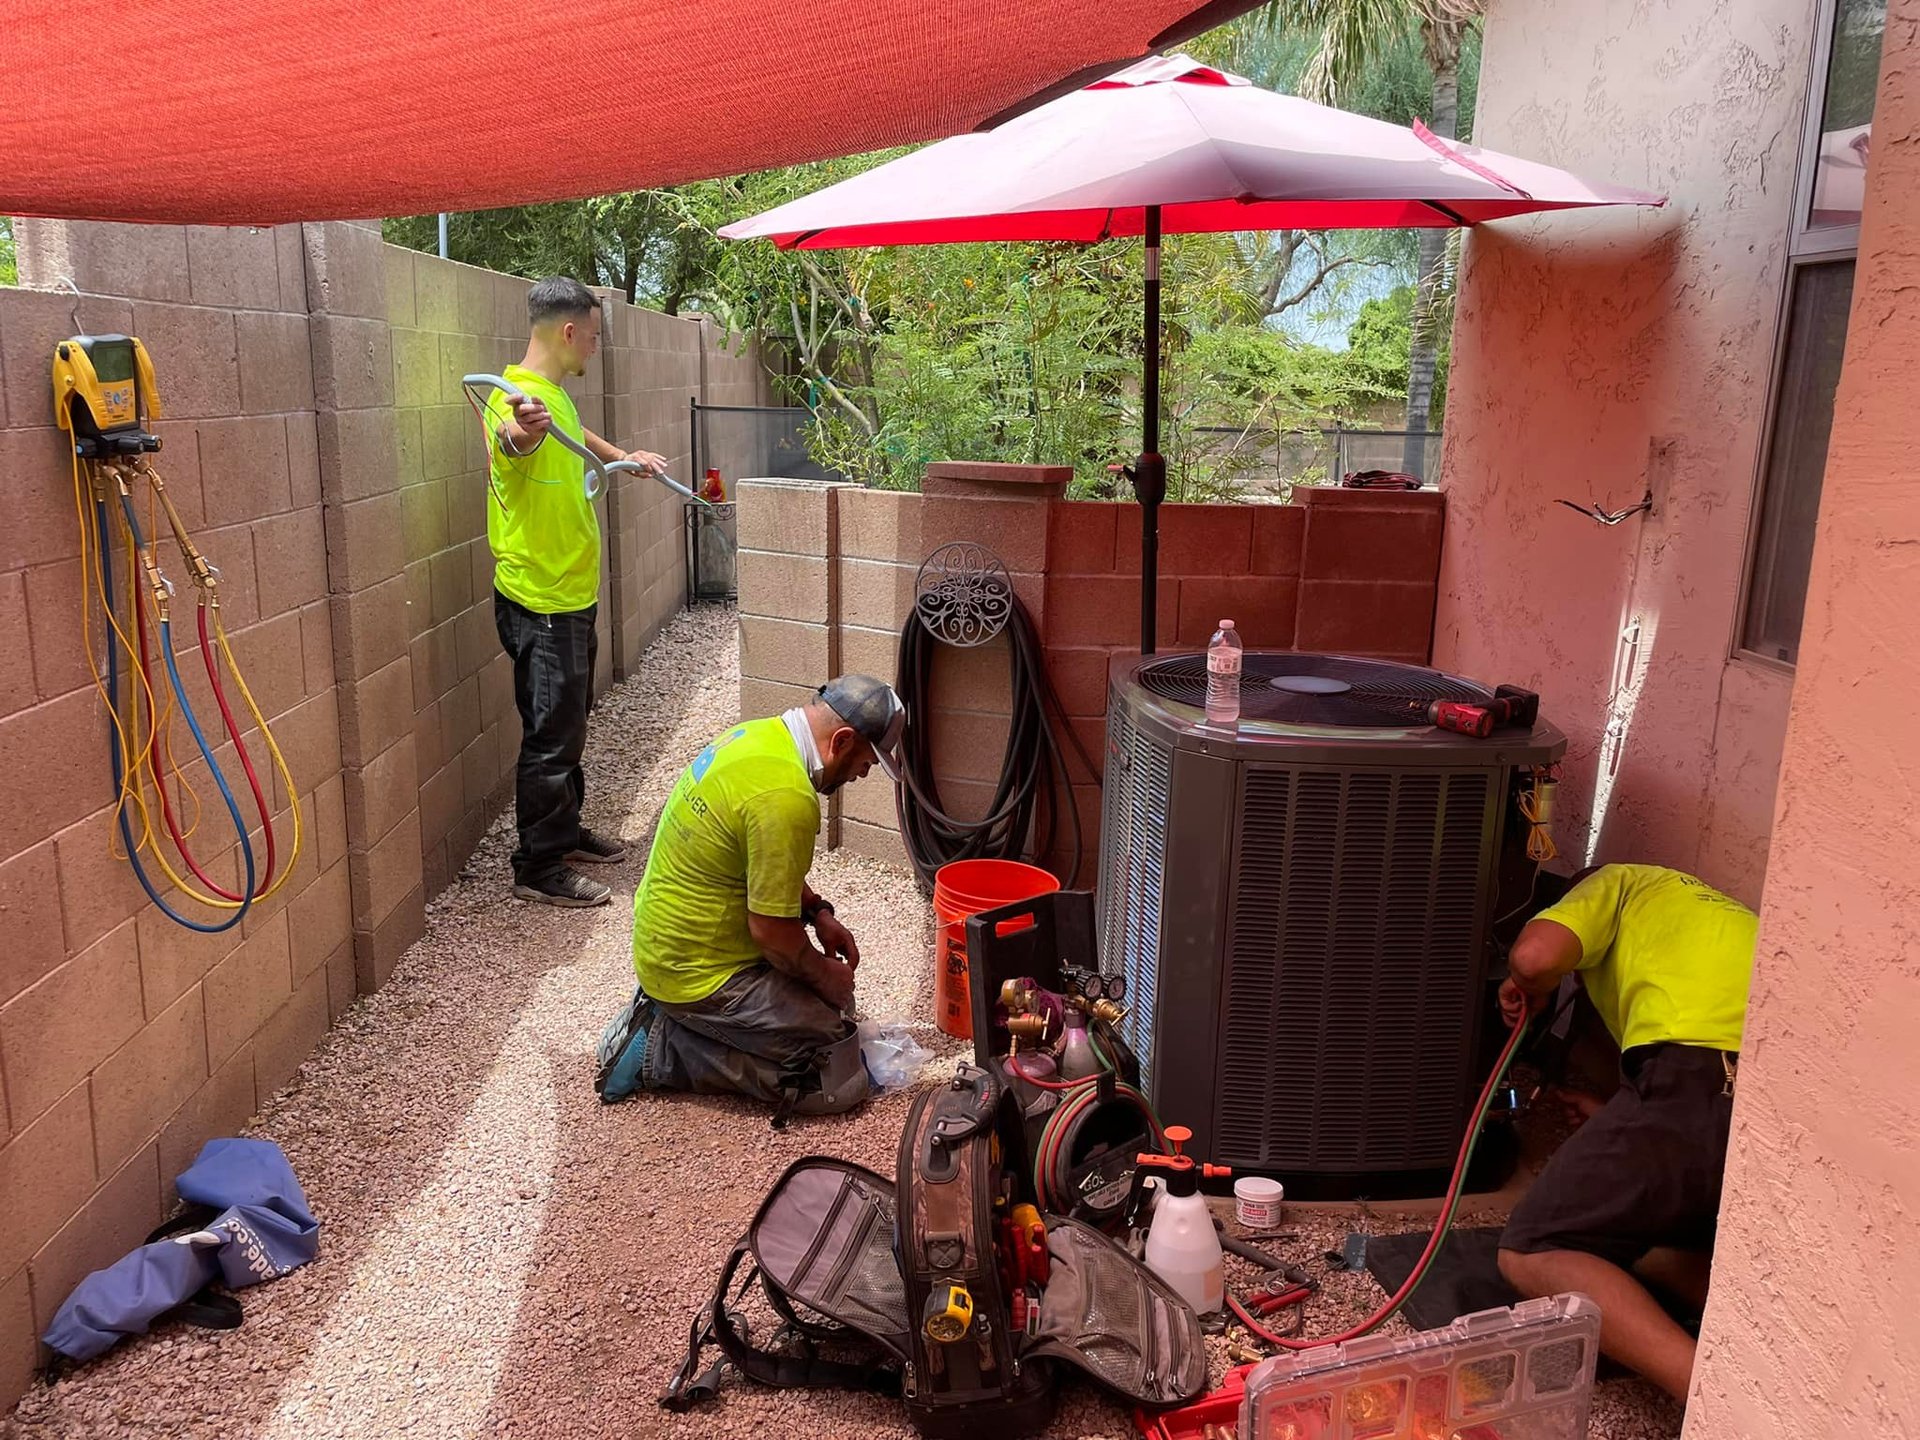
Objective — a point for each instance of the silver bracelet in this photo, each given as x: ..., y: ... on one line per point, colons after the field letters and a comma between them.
x: 507, y: 445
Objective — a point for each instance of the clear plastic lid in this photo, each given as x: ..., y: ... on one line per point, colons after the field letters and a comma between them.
x: 1524, y: 1373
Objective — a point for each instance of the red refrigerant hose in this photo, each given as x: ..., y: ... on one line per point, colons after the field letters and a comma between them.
x: 1418, y: 1273
x: 246, y: 761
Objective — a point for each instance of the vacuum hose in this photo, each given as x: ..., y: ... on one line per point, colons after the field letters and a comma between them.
x: 1419, y: 1271
x: 1022, y: 818
x: 597, y: 470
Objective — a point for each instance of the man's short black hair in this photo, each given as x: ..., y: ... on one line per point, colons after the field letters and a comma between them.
x: 559, y: 298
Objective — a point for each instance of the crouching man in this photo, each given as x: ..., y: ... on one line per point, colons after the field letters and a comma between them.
x: 734, y: 996
x: 1633, y: 1196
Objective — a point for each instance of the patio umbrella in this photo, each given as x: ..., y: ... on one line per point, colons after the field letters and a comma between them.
x: 1172, y: 146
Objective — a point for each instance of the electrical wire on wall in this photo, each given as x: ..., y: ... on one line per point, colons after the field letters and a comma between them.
x: 965, y: 598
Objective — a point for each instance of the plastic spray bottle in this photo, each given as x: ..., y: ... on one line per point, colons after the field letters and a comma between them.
x: 1183, y: 1248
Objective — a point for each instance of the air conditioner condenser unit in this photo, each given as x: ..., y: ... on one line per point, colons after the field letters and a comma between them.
x: 1302, y: 905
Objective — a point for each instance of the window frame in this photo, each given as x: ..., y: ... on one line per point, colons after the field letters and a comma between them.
x: 1807, y: 245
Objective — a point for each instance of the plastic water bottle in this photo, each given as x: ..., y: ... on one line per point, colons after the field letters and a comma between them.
x: 1223, y: 675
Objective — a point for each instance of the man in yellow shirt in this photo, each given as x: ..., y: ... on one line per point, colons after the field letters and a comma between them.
x: 1634, y: 1193
x: 733, y: 997
x: 545, y: 538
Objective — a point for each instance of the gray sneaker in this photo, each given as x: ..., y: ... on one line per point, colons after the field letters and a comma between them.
x: 596, y: 850
x: 565, y: 887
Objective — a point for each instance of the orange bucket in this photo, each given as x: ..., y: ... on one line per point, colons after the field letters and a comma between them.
x: 966, y: 887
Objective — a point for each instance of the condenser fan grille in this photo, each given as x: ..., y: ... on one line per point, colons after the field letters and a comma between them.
x: 1315, y: 689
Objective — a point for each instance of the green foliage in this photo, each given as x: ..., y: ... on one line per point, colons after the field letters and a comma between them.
x: 1028, y: 352
x: 641, y: 243
x: 1379, y: 348
x: 1853, y: 74
x: 9, y: 267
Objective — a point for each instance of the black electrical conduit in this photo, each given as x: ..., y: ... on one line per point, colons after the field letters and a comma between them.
x: 1025, y: 802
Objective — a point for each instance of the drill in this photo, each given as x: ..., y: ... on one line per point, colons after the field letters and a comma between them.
x: 1510, y: 706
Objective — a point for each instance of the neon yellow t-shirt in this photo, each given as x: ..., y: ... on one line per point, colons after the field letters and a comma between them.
x: 541, y: 527
x: 736, y: 835
x: 1665, y: 957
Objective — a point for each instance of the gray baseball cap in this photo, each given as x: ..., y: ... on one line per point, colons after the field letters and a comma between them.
x: 873, y: 711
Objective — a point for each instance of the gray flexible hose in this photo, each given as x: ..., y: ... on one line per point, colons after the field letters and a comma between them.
x: 598, y: 471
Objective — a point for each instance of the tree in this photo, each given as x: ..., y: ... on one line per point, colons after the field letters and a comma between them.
x: 634, y: 242
x: 1349, y: 38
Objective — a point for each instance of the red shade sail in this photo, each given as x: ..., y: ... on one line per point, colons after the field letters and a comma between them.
x: 222, y: 112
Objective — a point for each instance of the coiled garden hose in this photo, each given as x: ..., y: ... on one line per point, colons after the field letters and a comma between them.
x: 1022, y: 818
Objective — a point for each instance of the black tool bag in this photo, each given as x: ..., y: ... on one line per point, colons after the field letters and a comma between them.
x: 862, y: 1290
x: 962, y: 1157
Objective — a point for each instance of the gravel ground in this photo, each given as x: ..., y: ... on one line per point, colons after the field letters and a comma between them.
x: 504, y: 1256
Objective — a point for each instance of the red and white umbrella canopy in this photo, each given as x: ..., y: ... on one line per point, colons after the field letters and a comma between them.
x: 1213, y: 151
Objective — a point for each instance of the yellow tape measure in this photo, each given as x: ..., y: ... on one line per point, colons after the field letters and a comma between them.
x: 948, y: 1314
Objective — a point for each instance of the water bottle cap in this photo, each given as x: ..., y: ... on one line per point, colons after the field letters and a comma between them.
x: 1226, y: 624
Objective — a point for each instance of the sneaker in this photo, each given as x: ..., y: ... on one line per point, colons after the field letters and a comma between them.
x: 620, y: 1059
x: 563, y: 887
x: 596, y: 850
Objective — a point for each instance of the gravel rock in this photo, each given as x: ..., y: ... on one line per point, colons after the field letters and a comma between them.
x: 501, y: 1254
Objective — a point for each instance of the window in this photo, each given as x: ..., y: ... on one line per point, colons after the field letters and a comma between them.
x: 1819, y: 288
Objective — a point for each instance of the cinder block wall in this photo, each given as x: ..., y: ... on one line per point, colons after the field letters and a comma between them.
x: 827, y: 579
x: 125, y: 1041
x: 319, y: 449
x: 450, y: 320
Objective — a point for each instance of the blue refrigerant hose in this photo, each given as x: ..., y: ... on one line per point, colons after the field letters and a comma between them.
x: 193, y: 724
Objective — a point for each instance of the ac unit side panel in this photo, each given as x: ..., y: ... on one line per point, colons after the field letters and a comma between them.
x: 1355, y: 925
x: 1134, y: 824
x: 1193, y: 916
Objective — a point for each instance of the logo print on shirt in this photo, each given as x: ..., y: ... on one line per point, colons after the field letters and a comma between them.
x: 703, y: 762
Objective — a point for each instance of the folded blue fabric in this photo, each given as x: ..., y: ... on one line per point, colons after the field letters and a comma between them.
x: 264, y: 1229
x: 125, y: 1298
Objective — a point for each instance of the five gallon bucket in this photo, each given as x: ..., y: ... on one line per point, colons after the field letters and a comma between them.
x: 966, y: 887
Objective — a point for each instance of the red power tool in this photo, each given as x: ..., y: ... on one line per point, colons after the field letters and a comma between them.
x: 1510, y: 706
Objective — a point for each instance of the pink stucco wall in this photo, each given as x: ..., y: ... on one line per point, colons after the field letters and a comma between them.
x: 1595, y: 355
x: 1813, y: 1326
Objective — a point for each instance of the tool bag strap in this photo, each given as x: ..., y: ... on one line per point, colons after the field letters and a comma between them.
x: 716, y: 1326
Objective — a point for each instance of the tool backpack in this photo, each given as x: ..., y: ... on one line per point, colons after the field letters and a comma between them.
x: 948, y: 1289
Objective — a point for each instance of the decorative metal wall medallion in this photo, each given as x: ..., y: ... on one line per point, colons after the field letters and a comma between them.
x: 963, y: 594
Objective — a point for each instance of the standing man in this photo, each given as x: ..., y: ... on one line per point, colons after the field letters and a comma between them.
x: 1633, y: 1196
x: 734, y: 996
x: 545, y: 539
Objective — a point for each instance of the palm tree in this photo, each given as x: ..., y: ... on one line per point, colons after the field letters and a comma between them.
x: 1348, y: 34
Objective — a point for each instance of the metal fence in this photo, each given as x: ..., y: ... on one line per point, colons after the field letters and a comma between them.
x: 1415, y: 452
x: 1271, y: 461
x: 757, y: 441
x: 751, y: 441
x: 712, y: 539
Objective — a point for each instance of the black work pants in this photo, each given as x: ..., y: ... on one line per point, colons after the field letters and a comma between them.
x: 553, y: 660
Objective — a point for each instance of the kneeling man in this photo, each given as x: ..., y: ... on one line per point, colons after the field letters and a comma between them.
x: 734, y: 996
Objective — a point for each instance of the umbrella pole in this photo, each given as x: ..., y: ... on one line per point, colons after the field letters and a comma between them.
x: 1150, y: 471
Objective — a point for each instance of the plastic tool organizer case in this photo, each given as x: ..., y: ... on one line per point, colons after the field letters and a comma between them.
x: 1519, y: 1374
